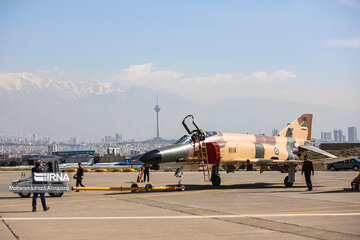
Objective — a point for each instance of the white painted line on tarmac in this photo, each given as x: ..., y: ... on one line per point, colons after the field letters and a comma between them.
x: 181, y: 217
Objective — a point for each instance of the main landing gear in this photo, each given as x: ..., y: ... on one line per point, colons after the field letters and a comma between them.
x: 215, y: 176
x: 287, y: 183
x: 290, y: 179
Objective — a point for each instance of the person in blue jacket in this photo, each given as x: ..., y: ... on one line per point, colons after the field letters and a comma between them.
x: 38, y: 169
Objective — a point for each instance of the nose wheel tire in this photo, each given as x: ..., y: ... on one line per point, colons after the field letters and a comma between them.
x: 216, y: 180
x: 286, y: 183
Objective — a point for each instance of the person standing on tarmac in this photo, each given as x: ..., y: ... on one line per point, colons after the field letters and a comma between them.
x: 307, y: 168
x: 38, y: 169
x: 79, y: 176
x: 147, y: 172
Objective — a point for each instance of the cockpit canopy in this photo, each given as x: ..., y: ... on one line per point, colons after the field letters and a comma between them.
x: 187, y: 139
x: 184, y: 139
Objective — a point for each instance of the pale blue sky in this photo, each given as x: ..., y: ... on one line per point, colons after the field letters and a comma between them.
x: 316, y: 42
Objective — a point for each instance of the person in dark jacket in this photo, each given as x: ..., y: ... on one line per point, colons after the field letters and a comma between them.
x: 147, y: 172
x: 307, y: 168
x: 38, y: 169
x: 79, y: 176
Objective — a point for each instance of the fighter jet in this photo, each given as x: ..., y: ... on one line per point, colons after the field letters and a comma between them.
x: 212, y: 150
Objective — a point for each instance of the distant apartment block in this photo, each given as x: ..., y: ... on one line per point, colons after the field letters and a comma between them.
x: 108, y: 139
x: 73, y: 140
x: 326, y: 137
x: 338, y: 136
x: 113, y: 151
x: 118, y: 137
x: 352, y: 135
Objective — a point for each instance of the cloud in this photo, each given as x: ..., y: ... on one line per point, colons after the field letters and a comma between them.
x: 145, y: 75
x: 351, y: 3
x: 216, y: 79
x: 217, y: 86
x: 263, y: 77
x: 350, y: 43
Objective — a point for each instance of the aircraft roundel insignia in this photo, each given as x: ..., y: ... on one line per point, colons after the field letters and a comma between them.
x: 276, y: 150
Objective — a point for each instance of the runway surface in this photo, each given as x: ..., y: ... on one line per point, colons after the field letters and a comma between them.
x: 248, y: 205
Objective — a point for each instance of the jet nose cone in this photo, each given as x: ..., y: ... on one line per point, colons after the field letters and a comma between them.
x: 152, y: 157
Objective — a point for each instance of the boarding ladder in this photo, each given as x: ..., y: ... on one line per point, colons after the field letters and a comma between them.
x: 202, y: 155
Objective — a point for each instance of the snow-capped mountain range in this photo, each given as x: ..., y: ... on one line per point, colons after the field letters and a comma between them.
x: 30, y: 104
x: 30, y: 83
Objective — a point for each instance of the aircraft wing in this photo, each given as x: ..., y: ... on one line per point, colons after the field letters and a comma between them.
x: 263, y: 161
x: 280, y: 165
x: 317, y: 150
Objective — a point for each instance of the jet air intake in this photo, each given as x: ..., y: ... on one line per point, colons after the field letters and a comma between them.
x: 151, y: 157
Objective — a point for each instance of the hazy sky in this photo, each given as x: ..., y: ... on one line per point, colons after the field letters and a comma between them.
x: 308, y: 51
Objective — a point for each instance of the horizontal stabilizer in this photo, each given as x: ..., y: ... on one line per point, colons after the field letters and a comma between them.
x: 318, y: 150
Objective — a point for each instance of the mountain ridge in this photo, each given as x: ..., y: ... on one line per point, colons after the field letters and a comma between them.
x: 92, y: 113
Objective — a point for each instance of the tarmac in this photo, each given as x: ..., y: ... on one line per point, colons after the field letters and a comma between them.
x: 248, y: 205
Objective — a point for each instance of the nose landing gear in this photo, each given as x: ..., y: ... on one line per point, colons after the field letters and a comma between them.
x: 215, y: 176
x: 178, y: 174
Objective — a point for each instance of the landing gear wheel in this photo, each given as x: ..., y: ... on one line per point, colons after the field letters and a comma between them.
x: 24, y: 194
x: 216, y: 180
x: 355, y: 168
x: 148, y: 187
x: 332, y: 168
x: 182, y: 187
x: 286, y: 183
x: 134, y: 185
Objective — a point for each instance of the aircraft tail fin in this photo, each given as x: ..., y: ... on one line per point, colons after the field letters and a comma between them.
x: 300, y: 128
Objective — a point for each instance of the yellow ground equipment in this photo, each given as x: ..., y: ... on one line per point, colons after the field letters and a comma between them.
x: 101, y: 170
x: 128, y: 170
x: 134, y: 188
x: 355, y: 184
x: 117, y: 170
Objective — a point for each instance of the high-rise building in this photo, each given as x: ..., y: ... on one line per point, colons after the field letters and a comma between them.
x: 52, y: 148
x: 275, y: 132
x: 352, y: 134
x: 338, y: 136
x: 157, y: 110
x: 108, y: 139
x: 73, y: 140
x: 326, y: 137
x: 118, y: 137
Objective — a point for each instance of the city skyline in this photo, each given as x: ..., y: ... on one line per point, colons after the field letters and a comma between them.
x: 117, y: 138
